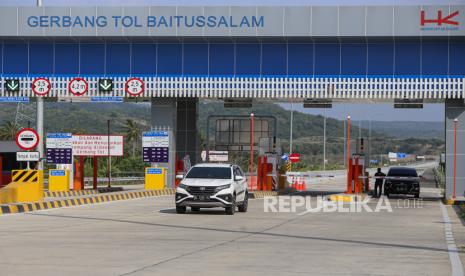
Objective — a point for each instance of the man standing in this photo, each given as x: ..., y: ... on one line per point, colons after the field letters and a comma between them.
x: 379, y: 176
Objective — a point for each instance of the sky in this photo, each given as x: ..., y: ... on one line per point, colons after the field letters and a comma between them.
x: 225, y: 2
x: 376, y: 112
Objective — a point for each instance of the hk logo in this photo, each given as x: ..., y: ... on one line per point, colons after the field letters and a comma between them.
x: 439, y: 20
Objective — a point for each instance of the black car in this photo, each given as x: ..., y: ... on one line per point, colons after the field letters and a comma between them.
x: 402, y: 180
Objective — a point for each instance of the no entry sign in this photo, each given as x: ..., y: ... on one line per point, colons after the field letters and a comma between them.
x: 134, y: 86
x: 27, y: 138
x: 41, y: 86
x: 294, y: 158
x: 78, y: 86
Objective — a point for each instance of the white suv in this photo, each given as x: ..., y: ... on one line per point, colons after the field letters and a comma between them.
x: 212, y: 185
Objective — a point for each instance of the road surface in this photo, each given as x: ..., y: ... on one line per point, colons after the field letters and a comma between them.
x: 146, y: 237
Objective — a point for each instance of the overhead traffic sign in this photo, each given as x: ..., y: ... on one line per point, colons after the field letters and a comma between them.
x: 12, y: 85
x: 78, y: 86
x: 41, y: 86
x: 105, y: 85
x: 294, y: 158
x: 27, y: 156
x: 134, y: 86
x: 14, y: 99
x: 27, y: 138
x: 106, y: 99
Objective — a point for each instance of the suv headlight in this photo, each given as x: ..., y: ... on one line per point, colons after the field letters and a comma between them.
x: 222, y: 187
x: 183, y: 186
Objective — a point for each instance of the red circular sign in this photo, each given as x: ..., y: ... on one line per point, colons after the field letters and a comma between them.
x: 41, y: 86
x: 295, y: 157
x: 78, y: 86
x: 27, y: 138
x: 134, y: 86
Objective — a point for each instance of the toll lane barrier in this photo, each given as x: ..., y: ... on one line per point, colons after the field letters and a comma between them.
x: 262, y: 194
x: 26, y: 186
x: 43, y: 205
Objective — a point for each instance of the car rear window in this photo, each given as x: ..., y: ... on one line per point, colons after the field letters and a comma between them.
x: 402, y: 172
x: 210, y: 173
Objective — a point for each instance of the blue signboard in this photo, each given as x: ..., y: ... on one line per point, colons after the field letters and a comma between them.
x: 14, y: 99
x: 57, y: 173
x: 154, y: 171
x: 401, y: 155
x: 107, y: 99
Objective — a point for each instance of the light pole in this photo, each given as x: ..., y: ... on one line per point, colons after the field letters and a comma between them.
x: 454, y: 193
x: 324, y: 141
x: 40, y: 122
x: 290, y: 132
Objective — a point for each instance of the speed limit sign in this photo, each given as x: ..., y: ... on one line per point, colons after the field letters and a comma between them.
x: 78, y: 86
x: 134, y: 86
x: 41, y: 86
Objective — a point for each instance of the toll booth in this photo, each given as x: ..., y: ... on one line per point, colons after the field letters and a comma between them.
x: 267, y: 172
x: 356, y: 174
x: 8, y: 161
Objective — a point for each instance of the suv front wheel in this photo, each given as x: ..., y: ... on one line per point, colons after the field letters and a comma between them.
x: 181, y: 209
x: 231, y: 209
x: 243, y: 207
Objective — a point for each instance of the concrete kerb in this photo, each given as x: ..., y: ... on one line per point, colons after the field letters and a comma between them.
x: 98, y: 198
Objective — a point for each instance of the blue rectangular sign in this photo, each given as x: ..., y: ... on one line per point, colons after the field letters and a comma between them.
x: 154, y: 171
x: 14, y: 99
x: 60, y: 135
x: 155, y: 133
x: 57, y: 173
x: 106, y: 99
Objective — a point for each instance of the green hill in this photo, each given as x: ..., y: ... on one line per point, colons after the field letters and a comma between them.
x: 92, y: 118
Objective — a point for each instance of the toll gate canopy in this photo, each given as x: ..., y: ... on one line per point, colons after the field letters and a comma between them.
x: 182, y: 53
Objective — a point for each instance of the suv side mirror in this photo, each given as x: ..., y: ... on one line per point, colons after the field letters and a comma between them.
x: 238, y: 178
x: 180, y: 176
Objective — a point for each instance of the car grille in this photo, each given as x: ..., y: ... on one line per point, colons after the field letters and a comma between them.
x: 201, y: 190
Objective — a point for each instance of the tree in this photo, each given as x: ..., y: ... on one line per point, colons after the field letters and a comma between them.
x: 133, y: 132
x: 8, y: 131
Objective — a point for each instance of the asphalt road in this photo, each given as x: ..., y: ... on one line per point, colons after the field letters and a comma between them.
x: 146, y: 237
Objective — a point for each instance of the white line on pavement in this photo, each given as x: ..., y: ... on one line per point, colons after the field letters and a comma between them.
x: 457, y: 268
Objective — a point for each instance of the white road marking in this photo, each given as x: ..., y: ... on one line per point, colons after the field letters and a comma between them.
x: 457, y: 268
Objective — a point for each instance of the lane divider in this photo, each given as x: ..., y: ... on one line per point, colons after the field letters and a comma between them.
x: 43, y: 205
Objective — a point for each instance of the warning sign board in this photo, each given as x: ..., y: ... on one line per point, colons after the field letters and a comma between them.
x: 41, y: 86
x: 134, y: 86
x: 78, y: 86
x: 97, y: 145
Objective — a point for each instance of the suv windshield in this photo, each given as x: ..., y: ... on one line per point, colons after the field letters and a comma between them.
x: 209, y: 172
x: 402, y: 172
